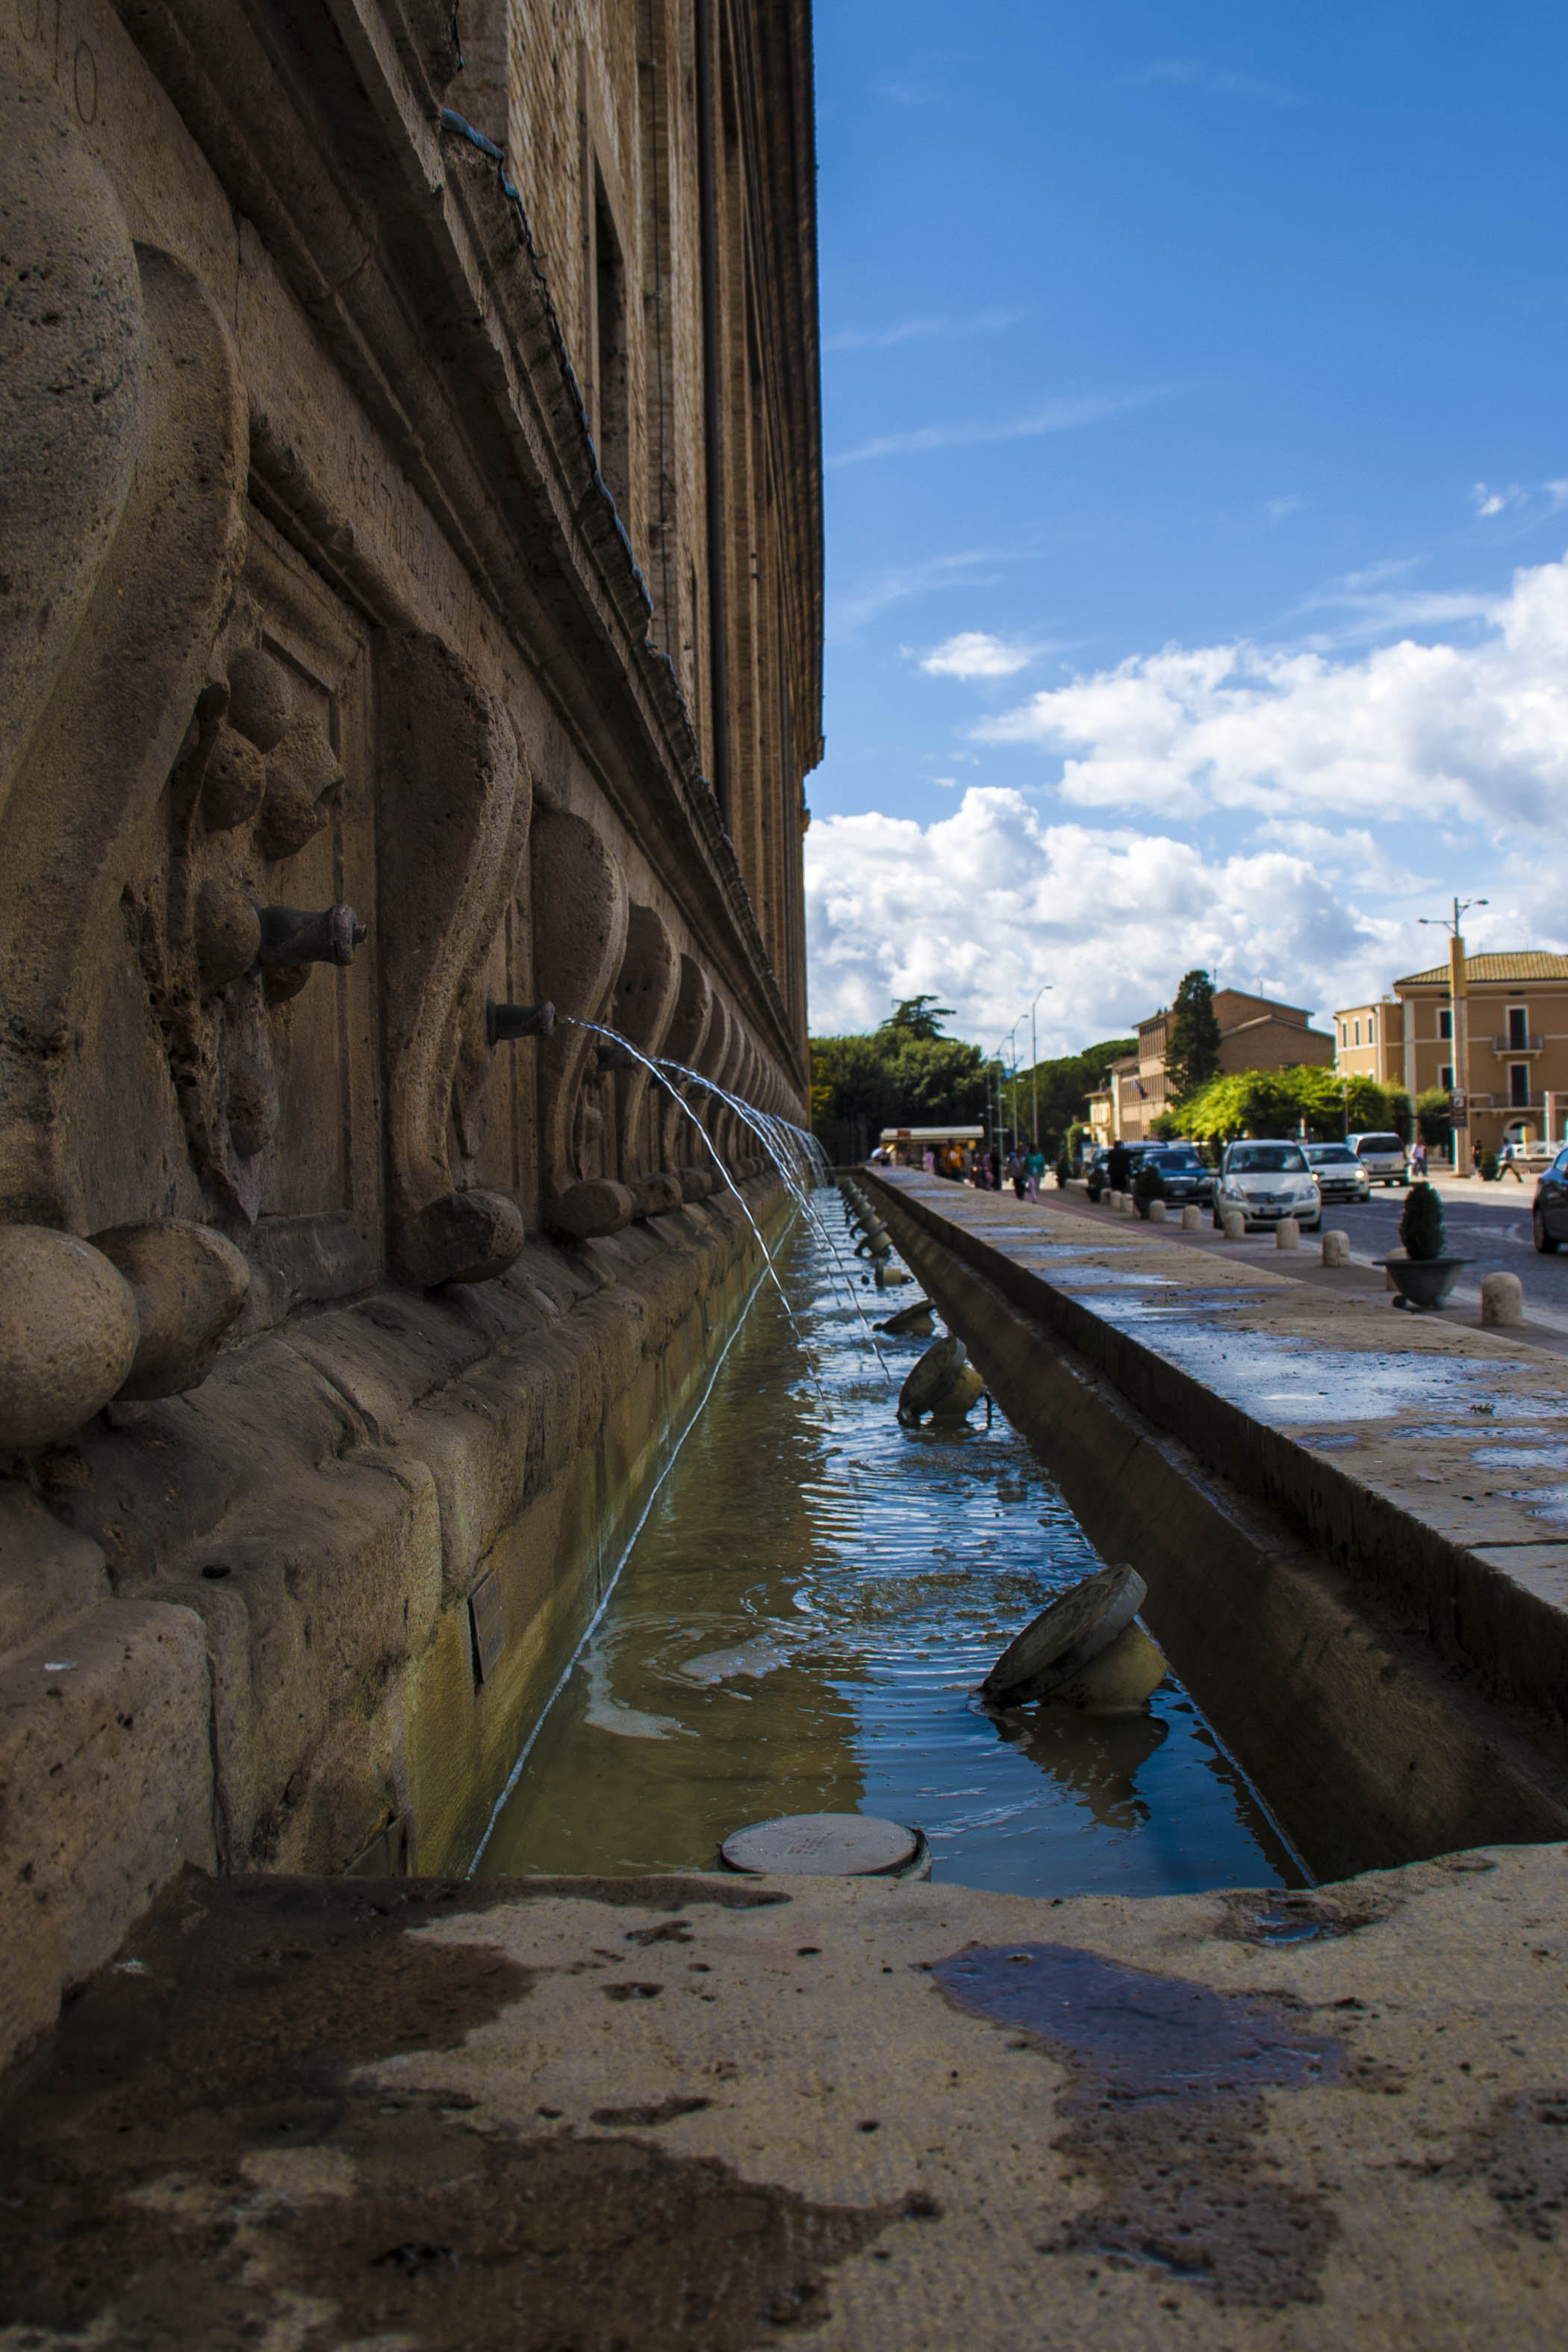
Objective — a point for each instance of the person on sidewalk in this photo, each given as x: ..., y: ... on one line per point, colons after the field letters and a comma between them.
x: 1508, y: 1160
x: 1418, y: 1162
x: 1036, y: 1167
x: 1118, y: 1167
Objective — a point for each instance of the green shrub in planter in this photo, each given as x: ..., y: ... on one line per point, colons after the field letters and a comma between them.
x: 1421, y: 1225
x: 1489, y: 1167
x: 1063, y: 1173
x: 1148, y: 1185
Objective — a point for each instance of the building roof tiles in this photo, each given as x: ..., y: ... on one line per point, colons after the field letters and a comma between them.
x: 1530, y: 963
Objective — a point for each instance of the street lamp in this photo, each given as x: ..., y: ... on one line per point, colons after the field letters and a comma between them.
x: 1034, y: 1062
x: 1458, y: 1015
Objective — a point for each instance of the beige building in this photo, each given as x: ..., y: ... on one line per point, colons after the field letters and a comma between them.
x: 1256, y: 1033
x: 1517, y: 1074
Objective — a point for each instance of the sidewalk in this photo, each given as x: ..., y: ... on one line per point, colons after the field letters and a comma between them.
x: 1544, y: 1326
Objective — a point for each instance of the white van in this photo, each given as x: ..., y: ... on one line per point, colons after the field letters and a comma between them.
x: 1382, y: 1156
x: 1267, y: 1181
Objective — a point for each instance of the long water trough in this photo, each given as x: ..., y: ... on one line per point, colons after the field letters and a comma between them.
x: 801, y: 1621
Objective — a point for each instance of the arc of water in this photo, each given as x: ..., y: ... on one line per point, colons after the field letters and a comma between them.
x: 759, y: 1123
x: 600, y: 1030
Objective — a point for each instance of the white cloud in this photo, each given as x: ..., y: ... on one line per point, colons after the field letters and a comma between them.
x: 913, y: 331
x: 981, y: 907
x: 1476, y: 733
x: 1535, y: 504
x: 1216, y: 81
x: 1051, y: 416
x: 973, y: 654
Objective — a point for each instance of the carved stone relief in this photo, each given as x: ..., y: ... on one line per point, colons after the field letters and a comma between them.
x: 645, y: 994
x: 456, y: 802
x: 682, y: 1151
x: 580, y: 940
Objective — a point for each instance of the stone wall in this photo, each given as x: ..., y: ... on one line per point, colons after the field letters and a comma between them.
x: 355, y: 749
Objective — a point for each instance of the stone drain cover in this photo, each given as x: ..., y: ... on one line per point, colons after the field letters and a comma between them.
x: 823, y: 1845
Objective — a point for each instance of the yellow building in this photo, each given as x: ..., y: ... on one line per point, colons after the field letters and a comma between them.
x: 1515, y: 1079
x: 1256, y: 1033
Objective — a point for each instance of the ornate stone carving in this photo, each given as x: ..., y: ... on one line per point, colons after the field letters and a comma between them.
x: 189, y: 1283
x: 580, y: 940
x: 456, y: 803
x: 683, y: 1043
x: 645, y: 994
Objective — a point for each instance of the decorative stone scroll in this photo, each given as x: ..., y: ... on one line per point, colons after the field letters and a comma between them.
x: 645, y: 994
x: 456, y: 802
x: 682, y: 1152
x: 579, y: 943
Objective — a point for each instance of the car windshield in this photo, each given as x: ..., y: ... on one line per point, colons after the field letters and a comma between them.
x: 1330, y: 1155
x: 1265, y: 1160
x: 1380, y: 1143
x: 1172, y: 1157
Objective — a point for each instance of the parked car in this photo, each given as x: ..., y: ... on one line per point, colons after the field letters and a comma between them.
x: 1184, y: 1171
x: 1094, y: 1174
x: 1382, y: 1156
x: 1341, y: 1176
x: 1267, y: 1181
x: 1549, y: 1210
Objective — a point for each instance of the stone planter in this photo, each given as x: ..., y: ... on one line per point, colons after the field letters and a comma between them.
x: 1423, y: 1282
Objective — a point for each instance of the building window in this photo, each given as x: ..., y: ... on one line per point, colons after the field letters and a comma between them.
x: 1518, y: 1029
x: 1344, y: 1033
x: 1445, y: 1021
x: 1372, y: 1028
x: 1446, y: 1077
x: 1518, y: 1086
x: 1358, y: 1033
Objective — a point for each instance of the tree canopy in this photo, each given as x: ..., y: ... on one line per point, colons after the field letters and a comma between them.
x: 1064, y: 1087
x: 1192, y: 1045
x: 1277, y: 1102
x: 916, y: 1016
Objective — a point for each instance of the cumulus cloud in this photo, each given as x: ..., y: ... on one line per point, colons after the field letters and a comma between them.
x: 983, y: 906
x: 1474, y: 734
x: 973, y: 654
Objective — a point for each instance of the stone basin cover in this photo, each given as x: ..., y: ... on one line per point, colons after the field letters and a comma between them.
x: 1070, y: 1631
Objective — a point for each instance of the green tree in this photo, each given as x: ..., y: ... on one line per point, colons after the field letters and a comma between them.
x: 916, y: 1016
x: 1192, y: 1047
x: 1063, y: 1087
x: 896, y: 1077
x: 1280, y: 1102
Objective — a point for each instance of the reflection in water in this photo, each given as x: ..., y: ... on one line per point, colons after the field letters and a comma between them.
x: 799, y: 1626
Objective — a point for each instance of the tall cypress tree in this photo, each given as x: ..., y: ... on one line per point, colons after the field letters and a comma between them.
x: 1192, y: 1051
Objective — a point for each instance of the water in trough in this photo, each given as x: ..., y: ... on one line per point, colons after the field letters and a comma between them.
x: 801, y: 1624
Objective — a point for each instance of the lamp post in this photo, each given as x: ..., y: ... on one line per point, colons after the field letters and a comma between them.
x: 1034, y: 1065
x: 1458, y: 1019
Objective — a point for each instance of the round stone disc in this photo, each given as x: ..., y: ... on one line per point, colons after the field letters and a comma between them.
x: 1070, y: 1631
x: 823, y: 1845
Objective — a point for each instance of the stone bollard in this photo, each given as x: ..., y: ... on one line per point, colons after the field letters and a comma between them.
x: 1156, y: 1212
x: 1502, y: 1301
x: 1129, y: 1206
x: 1234, y: 1224
x: 1287, y: 1234
x: 1115, y: 1201
x: 1336, y: 1249
x: 1192, y: 1218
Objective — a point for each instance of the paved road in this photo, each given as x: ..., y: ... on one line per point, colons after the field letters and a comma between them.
x: 1487, y: 1223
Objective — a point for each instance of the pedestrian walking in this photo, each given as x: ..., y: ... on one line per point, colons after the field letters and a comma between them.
x: 1508, y: 1163
x: 1418, y: 1162
x: 1035, y: 1167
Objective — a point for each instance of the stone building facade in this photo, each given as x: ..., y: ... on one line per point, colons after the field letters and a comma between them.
x: 410, y: 627
x: 1256, y: 1033
x: 1515, y: 1079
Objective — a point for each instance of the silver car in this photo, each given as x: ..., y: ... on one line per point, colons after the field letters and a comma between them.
x: 1267, y: 1181
x: 1382, y: 1155
x: 1341, y: 1176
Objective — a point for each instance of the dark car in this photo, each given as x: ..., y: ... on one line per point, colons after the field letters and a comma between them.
x: 1094, y: 1166
x: 1549, y: 1210
x: 1185, y: 1173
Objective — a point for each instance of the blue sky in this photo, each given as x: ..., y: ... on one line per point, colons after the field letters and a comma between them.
x: 1197, y: 497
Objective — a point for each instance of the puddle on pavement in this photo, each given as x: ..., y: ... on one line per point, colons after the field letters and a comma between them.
x: 801, y: 1621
